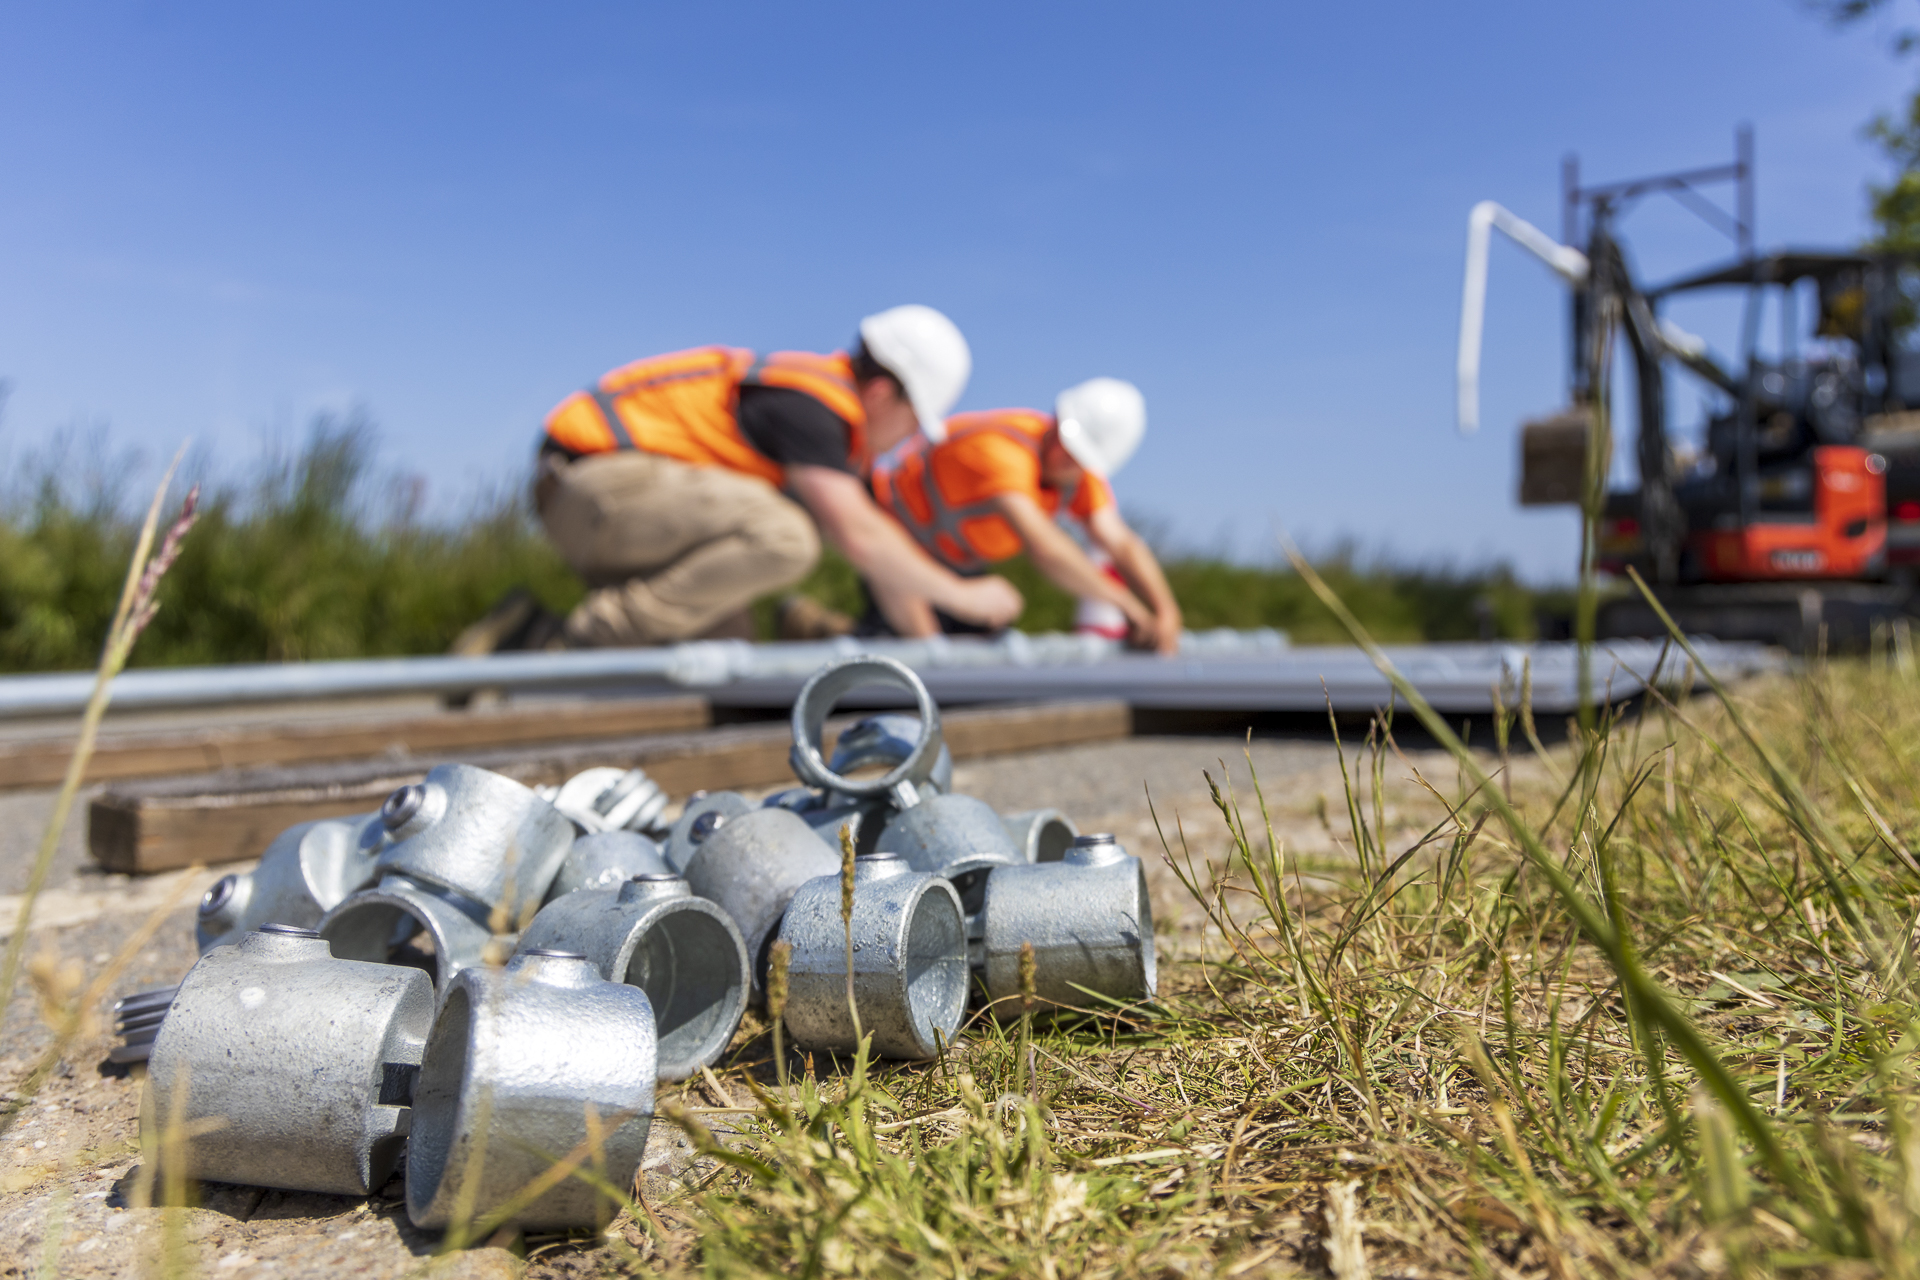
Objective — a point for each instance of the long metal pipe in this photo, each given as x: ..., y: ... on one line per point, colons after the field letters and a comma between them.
x: 700, y: 664
x: 1249, y: 671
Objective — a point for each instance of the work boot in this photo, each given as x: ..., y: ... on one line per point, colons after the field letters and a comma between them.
x: 499, y: 627
x: 804, y: 618
x: 737, y: 625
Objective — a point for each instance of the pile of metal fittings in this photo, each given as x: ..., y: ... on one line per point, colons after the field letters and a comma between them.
x: 483, y: 980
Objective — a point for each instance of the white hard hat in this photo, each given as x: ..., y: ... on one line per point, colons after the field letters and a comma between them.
x: 1101, y: 422
x: 925, y: 351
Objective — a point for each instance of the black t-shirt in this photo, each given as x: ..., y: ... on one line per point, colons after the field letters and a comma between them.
x: 791, y: 427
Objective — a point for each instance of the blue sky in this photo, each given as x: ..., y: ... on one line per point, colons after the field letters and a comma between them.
x: 216, y: 219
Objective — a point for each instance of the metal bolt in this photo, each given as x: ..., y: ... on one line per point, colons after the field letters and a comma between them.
x: 216, y: 898
x: 556, y: 953
x: 402, y: 805
x: 705, y: 825
x: 1093, y: 838
x: 655, y: 877
x: 287, y: 930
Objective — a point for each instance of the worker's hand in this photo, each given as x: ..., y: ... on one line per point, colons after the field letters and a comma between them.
x: 1158, y: 632
x: 989, y: 601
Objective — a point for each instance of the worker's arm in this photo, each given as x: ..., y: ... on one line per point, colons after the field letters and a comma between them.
x: 1136, y: 563
x: 907, y: 584
x: 1059, y: 557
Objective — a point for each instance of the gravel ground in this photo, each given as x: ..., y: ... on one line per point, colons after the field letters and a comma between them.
x: 69, y: 1171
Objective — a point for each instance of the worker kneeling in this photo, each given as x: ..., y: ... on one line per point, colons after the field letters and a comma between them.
x: 992, y: 487
x: 669, y: 486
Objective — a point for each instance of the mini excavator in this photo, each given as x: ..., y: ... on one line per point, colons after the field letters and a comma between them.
x: 1798, y: 521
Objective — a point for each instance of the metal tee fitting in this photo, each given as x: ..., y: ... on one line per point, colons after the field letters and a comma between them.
x: 282, y: 1066
x: 750, y: 867
x: 1041, y: 835
x: 891, y: 739
x: 307, y: 870
x: 478, y: 834
x: 909, y: 961
x: 683, y: 951
x: 522, y: 1066
x: 606, y: 860
x: 1088, y: 919
x: 815, y: 702
x: 954, y: 836
x: 403, y: 922
x: 704, y: 814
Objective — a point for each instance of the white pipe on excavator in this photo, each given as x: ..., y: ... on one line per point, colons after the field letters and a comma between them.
x: 1569, y: 263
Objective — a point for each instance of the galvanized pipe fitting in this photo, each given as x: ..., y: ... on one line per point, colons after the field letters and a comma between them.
x: 909, y: 961
x: 683, y: 951
x: 705, y: 813
x: 1090, y: 923
x: 815, y: 702
x: 610, y: 799
x: 890, y: 739
x: 403, y: 922
x: 477, y: 834
x: 750, y: 866
x: 954, y: 836
x: 517, y: 1062
x: 1042, y: 835
x: 606, y: 860
x: 307, y: 870
x: 282, y: 1066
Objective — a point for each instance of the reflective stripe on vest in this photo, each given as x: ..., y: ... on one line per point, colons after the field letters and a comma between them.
x: 941, y: 533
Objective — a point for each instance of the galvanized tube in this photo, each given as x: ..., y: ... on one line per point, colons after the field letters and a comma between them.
x: 909, y: 961
x: 522, y: 1066
x: 279, y: 1065
x: 683, y: 951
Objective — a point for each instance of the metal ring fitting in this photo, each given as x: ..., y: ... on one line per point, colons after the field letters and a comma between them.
x: 606, y: 860
x: 683, y: 951
x: 1042, y: 835
x: 481, y: 835
x: 817, y: 698
x: 750, y: 868
x: 524, y: 1065
x: 909, y: 961
x: 306, y: 1060
x: 307, y: 870
x: 1090, y: 923
x: 402, y: 922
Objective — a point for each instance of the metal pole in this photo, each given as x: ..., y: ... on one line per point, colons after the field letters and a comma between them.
x: 1743, y: 162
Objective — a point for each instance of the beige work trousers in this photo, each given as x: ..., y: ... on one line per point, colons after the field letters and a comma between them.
x: 667, y: 549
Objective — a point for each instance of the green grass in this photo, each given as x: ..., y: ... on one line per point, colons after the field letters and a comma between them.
x: 316, y: 555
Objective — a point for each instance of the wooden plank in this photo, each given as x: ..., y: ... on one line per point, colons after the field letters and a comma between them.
x: 231, y: 815
x: 44, y: 764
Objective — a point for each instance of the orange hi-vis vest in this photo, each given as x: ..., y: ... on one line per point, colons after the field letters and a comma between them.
x: 682, y: 406
x: 943, y: 493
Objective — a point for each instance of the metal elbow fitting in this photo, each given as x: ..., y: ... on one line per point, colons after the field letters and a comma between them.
x: 403, y: 922
x: 704, y: 814
x: 1041, y: 835
x: 307, y: 870
x: 750, y: 866
x: 1090, y: 923
x: 954, y: 836
x: 609, y: 799
x: 909, y: 961
x: 913, y: 766
x: 523, y: 1065
x: 683, y: 951
x: 282, y: 1066
x: 606, y: 860
x: 478, y: 834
